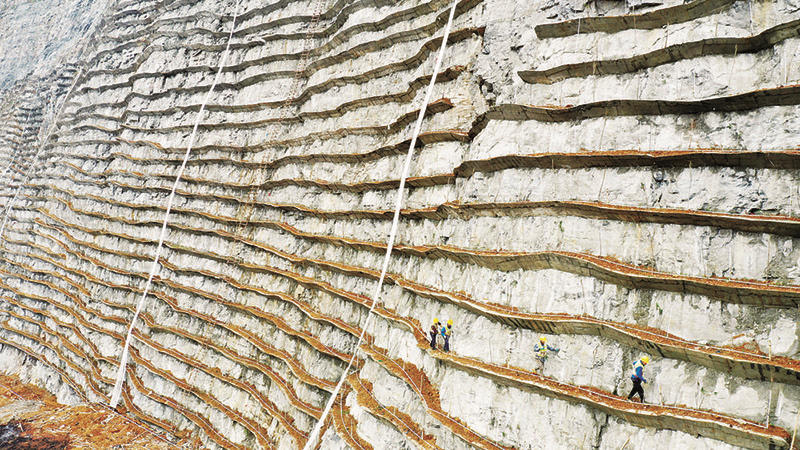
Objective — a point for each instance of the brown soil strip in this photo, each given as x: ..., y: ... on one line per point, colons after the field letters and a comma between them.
x: 687, y: 50
x: 435, y: 107
x: 717, y: 426
x: 362, y: 186
x: 396, y: 418
x: 345, y: 424
x: 287, y: 422
x: 295, y: 366
x: 447, y: 420
x: 708, y: 423
x: 314, y: 412
x: 197, y: 419
x: 320, y: 61
x: 790, y: 374
x: 412, y: 62
x: 422, y: 339
x: 418, y: 381
x: 776, y: 96
x: 261, y: 434
x: 775, y: 224
x: 92, y: 360
x: 249, y: 362
x: 129, y: 405
x: 251, y: 337
x: 545, y: 321
x: 277, y: 321
x: 77, y: 426
x: 6, y: 326
x: 610, y: 270
x: 399, y: 148
x: 683, y: 12
x: 778, y: 159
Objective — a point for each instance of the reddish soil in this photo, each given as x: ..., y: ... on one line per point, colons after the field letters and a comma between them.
x: 400, y: 420
x: 57, y: 426
x: 346, y: 425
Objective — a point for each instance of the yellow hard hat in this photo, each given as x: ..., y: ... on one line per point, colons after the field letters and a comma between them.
x: 450, y: 322
x: 645, y: 360
x: 435, y: 320
x: 542, y: 338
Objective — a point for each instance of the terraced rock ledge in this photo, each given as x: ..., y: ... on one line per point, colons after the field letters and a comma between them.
x: 618, y: 177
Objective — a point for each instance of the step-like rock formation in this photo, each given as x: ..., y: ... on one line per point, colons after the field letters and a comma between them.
x: 620, y: 178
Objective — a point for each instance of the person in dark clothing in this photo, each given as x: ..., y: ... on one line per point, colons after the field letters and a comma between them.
x: 638, y: 378
x: 446, y: 333
x: 434, y: 332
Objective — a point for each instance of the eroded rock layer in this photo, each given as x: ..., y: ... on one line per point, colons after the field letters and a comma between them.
x: 621, y: 179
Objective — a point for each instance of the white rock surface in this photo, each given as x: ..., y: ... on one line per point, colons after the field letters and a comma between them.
x: 279, y: 308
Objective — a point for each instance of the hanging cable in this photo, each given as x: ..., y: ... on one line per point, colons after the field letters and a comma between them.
x: 395, y: 220
x: 117, y: 392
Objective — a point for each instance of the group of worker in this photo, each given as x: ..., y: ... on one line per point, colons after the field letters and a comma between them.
x: 542, y: 352
x: 445, y: 331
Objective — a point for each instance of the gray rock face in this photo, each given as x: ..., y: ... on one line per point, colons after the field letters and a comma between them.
x: 43, y: 34
x: 618, y: 177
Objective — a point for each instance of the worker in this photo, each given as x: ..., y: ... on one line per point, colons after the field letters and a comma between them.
x: 446, y: 333
x: 434, y: 332
x: 542, y: 352
x: 638, y: 378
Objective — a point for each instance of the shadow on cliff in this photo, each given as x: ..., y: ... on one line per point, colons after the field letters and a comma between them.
x: 14, y: 435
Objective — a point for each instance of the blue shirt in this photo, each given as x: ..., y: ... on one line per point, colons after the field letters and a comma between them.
x: 638, y: 369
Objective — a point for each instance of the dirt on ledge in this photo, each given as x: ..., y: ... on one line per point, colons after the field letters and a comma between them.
x: 32, y: 419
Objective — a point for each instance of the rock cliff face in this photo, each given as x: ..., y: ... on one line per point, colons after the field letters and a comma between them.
x: 620, y: 177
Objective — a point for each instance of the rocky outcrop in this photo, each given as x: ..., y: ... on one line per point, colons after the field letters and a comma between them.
x: 621, y: 181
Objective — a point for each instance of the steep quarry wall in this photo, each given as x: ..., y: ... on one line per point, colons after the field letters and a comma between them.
x: 620, y: 177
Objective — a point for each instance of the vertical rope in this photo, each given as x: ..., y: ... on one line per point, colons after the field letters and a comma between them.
x: 392, y: 234
x: 117, y: 391
x: 771, y: 376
